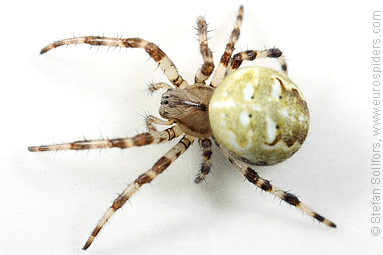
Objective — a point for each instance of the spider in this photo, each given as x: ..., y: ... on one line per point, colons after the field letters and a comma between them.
x: 255, y: 115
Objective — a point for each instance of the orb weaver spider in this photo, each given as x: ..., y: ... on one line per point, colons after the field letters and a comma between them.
x: 256, y: 115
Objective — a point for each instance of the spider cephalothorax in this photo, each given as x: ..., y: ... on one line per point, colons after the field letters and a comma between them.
x: 254, y: 115
x: 189, y: 109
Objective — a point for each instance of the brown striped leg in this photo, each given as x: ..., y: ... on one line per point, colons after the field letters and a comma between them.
x: 205, y: 144
x: 265, y: 185
x: 153, y: 50
x: 219, y: 73
x: 250, y: 55
x: 208, y: 66
x: 163, y: 163
x: 151, y: 137
x: 150, y: 120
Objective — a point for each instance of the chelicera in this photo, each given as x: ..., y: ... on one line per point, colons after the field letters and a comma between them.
x: 255, y: 115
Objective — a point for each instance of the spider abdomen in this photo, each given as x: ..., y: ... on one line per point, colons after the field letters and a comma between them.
x: 260, y: 115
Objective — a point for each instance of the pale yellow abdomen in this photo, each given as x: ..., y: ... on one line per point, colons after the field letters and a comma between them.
x: 260, y: 115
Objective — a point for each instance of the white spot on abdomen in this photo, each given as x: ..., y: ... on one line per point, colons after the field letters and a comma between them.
x: 244, y: 118
x: 223, y: 104
x: 271, y: 130
x: 248, y: 92
x: 276, y: 89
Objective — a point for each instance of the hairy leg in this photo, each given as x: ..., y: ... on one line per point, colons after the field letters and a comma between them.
x: 163, y: 163
x: 250, y: 55
x: 153, y: 50
x: 151, y: 137
x: 219, y: 73
x: 265, y: 185
x: 208, y: 66
x: 205, y: 144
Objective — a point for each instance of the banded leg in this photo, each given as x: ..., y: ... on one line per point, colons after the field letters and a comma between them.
x: 151, y: 137
x: 221, y: 69
x: 163, y: 163
x: 150, y: 120
x: 206, y: 164
x: 250, y: 55
x: 153, y: 50
x: 265, y: 185
x: 208, y: 66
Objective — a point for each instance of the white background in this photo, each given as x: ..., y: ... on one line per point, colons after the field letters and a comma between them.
x: 50, y: 202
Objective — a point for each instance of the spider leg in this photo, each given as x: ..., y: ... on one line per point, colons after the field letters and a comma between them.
x: 163, y: 163
x: 205, y: 144
x: 265, y: 185
x: 250, y: 55
x: 153, y: 50
x: 208, y: 66
x: 151, y: 137
x: 160, y: 85
x: 150, y: 120
x: 219, y: 73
